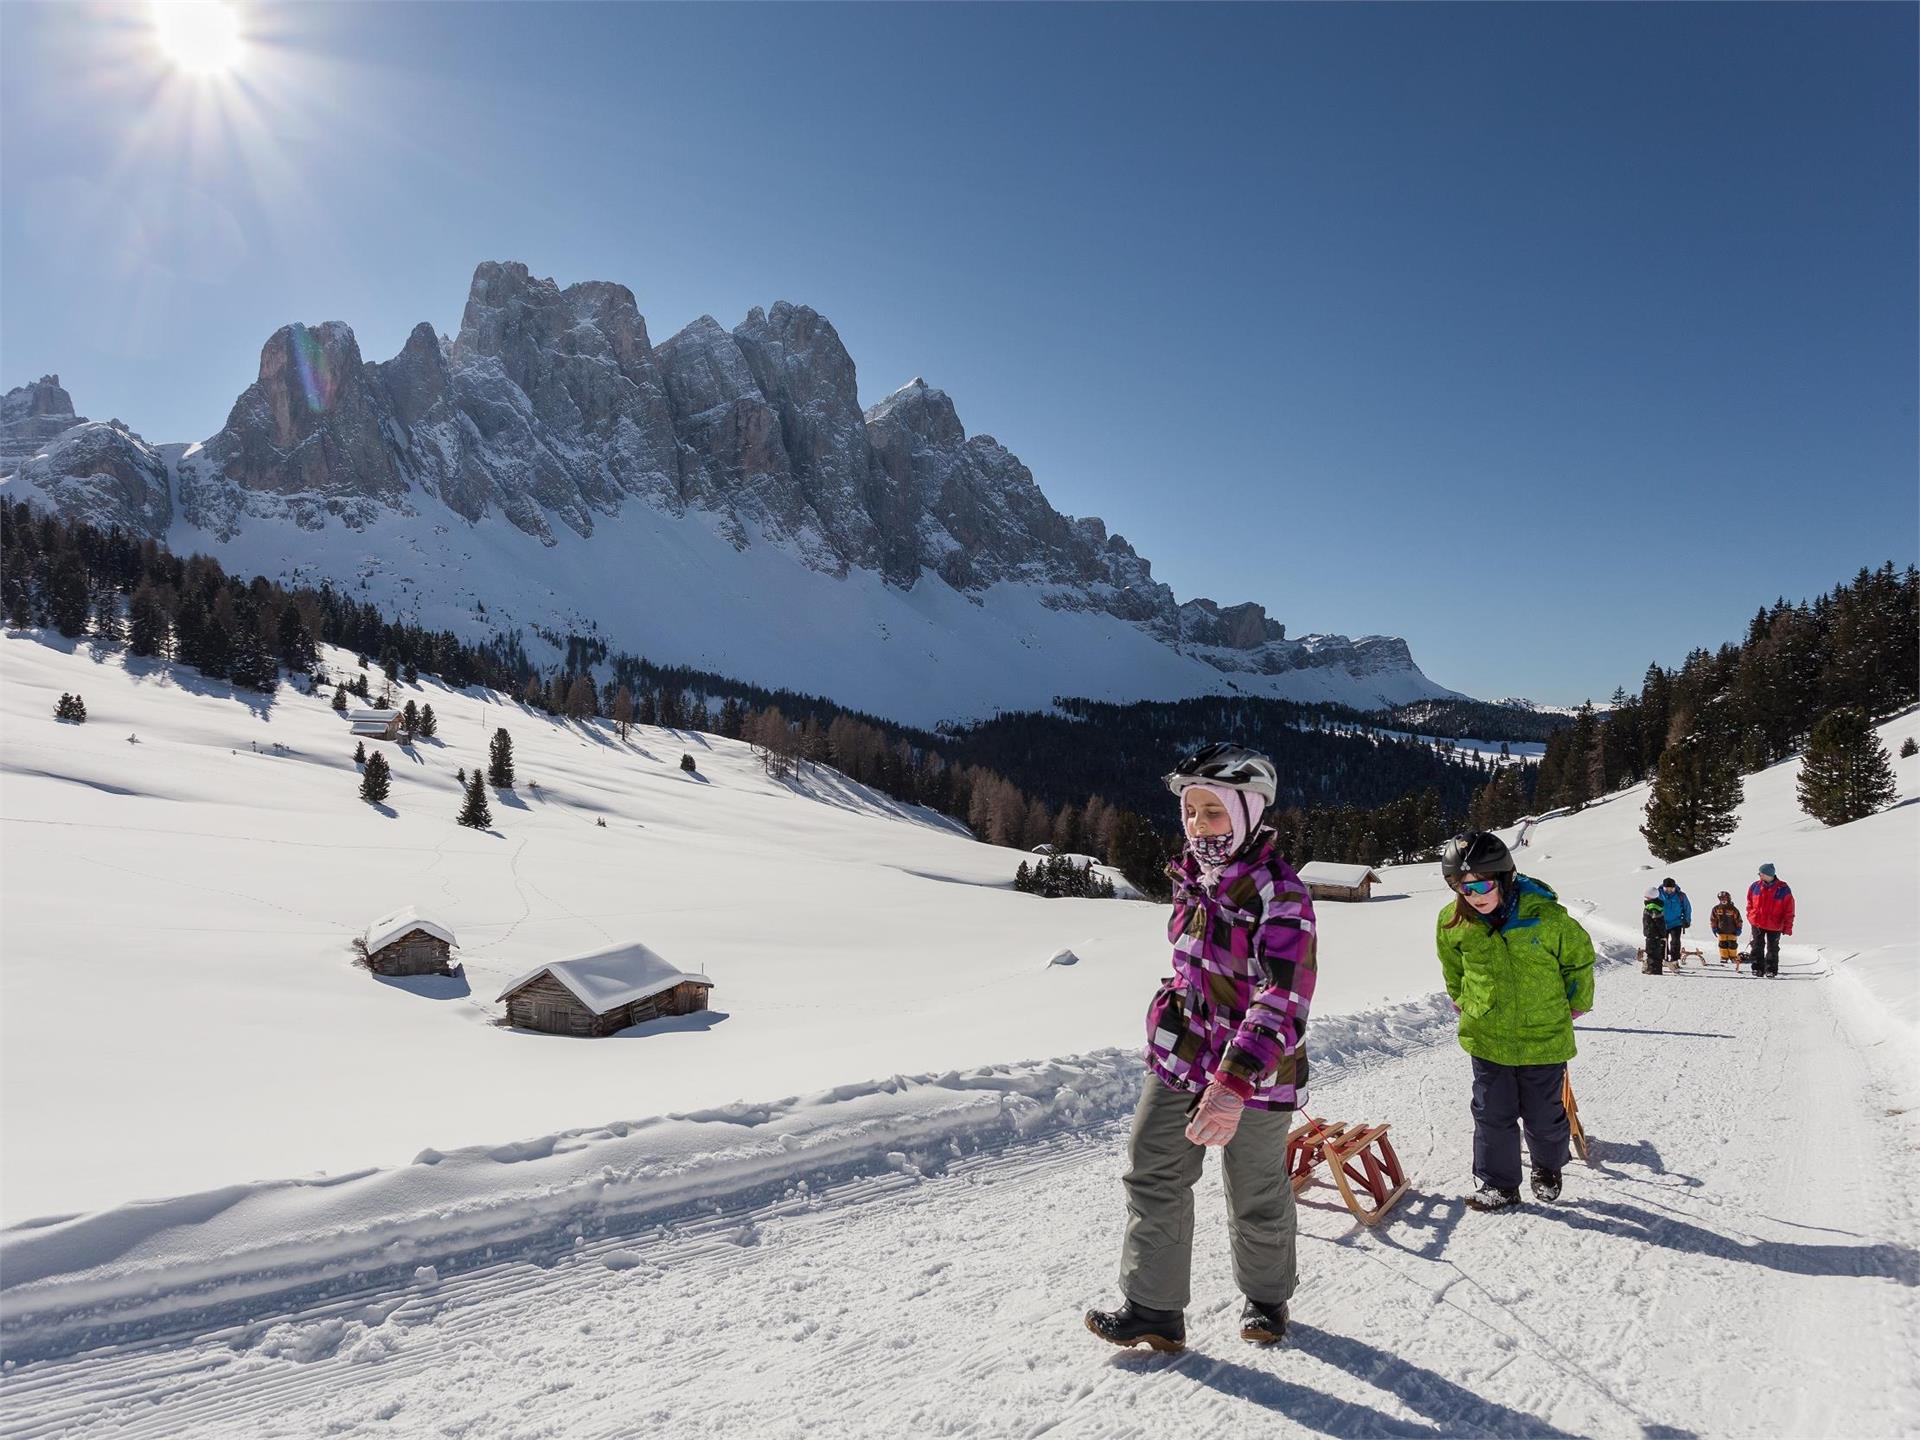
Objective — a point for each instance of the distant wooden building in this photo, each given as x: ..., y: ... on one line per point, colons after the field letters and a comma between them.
x: 407, y: 943
x: 375, y: 724
x: 602, y: 991
x: 1339, y: 882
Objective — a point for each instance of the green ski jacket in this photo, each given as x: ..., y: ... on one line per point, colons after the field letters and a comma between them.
x: 1518, y: 975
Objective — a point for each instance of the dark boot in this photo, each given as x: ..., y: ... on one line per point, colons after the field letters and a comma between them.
x: 1546, y: 1184
x: 1490, y: 1199
x: 1262, y: 1323
x: 1135, y: 1324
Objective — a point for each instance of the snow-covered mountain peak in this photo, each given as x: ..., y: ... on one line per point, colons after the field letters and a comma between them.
x: 551, y: 417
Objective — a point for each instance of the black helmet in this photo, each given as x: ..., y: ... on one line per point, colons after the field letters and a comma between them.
x: 1478, y: 852
x: 1232, y: 767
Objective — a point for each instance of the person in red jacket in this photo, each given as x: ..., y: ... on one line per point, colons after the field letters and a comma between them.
x: 1770, y: 913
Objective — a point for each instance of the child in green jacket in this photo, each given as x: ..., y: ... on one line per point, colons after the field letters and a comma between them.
x: 1519, y: 969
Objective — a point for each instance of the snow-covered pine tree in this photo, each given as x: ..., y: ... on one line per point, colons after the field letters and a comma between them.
x: 340, y: 698
x: 474, y: 813
x: 1023, y: 878
x: 1909, y: 746
x: 500, y: 760
x: 377, y: 780
x: 1845, y: 773
x: 1690, y: 809
x: 70, y: 707
x: 429, y: 726
x: 360, y: 752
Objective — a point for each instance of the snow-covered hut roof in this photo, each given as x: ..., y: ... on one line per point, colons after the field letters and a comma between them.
x: 1321, y: 872
x: 604, y: 980
x: 360, y: 715
x: 389, y: 928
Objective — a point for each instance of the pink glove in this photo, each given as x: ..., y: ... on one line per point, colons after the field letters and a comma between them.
x: 1578, y: 1013
x: 1217, y: 1116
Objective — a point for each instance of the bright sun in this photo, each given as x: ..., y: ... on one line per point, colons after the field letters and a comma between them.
x: 201, y: 37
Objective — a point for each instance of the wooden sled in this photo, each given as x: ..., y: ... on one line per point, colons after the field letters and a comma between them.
x: 1360, y: 1159
x: 1575, y: 1132
x: 1667, y: 966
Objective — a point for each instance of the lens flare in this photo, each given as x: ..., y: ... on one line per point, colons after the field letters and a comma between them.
x: 315, y: 373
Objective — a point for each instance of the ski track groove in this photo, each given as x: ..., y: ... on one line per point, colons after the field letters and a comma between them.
x: 890, y: 1304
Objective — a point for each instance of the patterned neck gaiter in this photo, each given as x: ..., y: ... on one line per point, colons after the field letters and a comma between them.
x: 1212, y: 850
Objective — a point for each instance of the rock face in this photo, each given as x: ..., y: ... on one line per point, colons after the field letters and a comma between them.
x: 98, y: 471
x: 552, y: 407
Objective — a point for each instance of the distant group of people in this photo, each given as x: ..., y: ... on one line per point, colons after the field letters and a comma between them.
x: 1666, y: 913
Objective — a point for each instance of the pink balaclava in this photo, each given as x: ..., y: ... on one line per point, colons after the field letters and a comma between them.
x: 1244, y: 809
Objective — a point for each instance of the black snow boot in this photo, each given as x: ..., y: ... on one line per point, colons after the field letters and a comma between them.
x: 1262, y: 1323
x: 1489, y: 1198
x: 1546, y: 1184
x: 1135, y: 1324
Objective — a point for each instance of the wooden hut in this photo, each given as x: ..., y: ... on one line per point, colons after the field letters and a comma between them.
x: 375, y: 724
x: 407, y: 943
x: 602, y: 991
x: 1339, y: 882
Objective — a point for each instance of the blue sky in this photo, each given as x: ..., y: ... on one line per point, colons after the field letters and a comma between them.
x: 1553, y: 338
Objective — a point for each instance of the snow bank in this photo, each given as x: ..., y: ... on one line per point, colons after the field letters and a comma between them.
x: 149, y: 1260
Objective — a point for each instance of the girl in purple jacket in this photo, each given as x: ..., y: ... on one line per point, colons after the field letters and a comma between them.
x: 1226, y: 1062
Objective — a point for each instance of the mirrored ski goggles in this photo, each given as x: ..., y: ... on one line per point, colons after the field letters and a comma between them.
x: 1477, y: 887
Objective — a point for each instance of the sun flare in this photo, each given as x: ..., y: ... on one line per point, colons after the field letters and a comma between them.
x: 201, y: 37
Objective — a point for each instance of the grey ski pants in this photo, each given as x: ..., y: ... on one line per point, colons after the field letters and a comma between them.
x: 1156, y: 1257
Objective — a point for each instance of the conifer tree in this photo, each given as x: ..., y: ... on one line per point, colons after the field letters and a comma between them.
x: 410, y: 718
x: 1023, y: 878
x: 474, y: 813
x: 360, y: 752
x: 686, y: 763
x: 1845, y: 774
x: 623, y: 711
x: 68, y: 600
x: 377, y: 780
x: 340, y: 699
x: 1909, y: 746
x: 1690, y: 810
x: 429, y: 726
x: 147, y: 622
x: 70, y: 707
x: 500, y: 760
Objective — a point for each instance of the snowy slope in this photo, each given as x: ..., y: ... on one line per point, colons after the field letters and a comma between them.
x: 898, y: 1255
x: 675, y: 590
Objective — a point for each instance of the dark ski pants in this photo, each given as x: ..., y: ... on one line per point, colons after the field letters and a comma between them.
x: 1766, y: 951
x: 1506, y: 1097
x: 1156, y: 1258
x: 1673, y: 946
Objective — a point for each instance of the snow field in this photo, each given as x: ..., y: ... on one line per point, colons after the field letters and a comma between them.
x: 1705, y: 1275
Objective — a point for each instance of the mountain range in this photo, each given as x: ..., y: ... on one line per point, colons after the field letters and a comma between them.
x: 719, y: 500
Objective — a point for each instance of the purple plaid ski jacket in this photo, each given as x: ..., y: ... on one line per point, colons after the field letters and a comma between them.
x: 1242, y: 982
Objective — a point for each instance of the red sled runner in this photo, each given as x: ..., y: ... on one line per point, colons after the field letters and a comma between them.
x: 1360, y: 1159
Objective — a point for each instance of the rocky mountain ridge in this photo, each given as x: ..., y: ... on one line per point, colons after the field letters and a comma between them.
x: 553, y: 410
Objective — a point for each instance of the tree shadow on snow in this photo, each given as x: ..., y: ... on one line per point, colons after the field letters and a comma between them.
x: 510, y: 799
x: 1885, y: 1261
